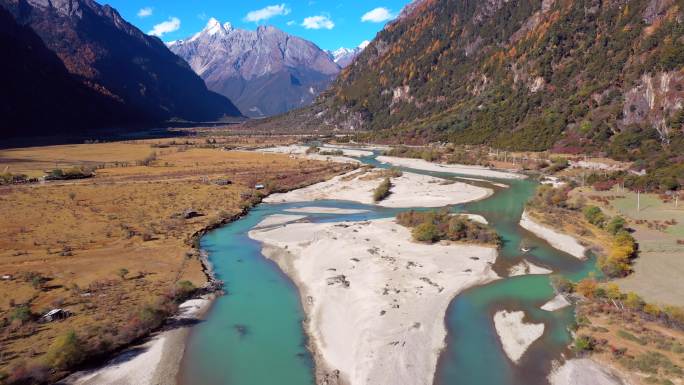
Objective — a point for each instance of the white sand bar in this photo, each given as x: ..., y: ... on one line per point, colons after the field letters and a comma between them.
x: 556, y: 303
x: 476, y: 218
x: 300, y: 150
x: 278, y: 219
x: 516, y: 336
x: 408, y: 190
x: 584, y: 371
x: 155, y: 362
x: 526, y: 267
x: 375, y: 300
x: 325, y: 210
x: 420, y: 164
x: 560, y: 241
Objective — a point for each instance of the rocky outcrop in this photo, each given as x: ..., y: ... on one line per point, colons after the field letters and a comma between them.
x: 653, y: 99
x: 265, y: 72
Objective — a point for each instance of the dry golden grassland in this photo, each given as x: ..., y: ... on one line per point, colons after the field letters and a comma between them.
x: 64, y: 244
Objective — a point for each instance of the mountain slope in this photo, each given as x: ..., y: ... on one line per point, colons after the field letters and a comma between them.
x: 38, y: 92
x: 118, y: 60
x: 576, y: 76
x: 265, y: 72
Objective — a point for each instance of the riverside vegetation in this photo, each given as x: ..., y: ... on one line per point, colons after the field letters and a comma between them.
x: 116, y: 250
x: 433, y: 226
x: 614, y: 244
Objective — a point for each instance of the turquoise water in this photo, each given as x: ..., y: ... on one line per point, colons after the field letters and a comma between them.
x: 254, y: 334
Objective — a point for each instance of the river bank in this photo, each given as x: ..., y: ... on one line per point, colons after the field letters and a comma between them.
x: 157, y: 360
x: 560, y: 241
x: 375, y: 301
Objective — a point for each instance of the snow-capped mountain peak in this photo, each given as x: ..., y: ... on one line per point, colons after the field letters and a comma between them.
x: 344, y: 56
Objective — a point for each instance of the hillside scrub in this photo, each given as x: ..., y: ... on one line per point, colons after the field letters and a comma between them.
x: 434, y: 226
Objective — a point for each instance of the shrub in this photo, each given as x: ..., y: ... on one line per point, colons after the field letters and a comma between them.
x: 331, y: 152
x: 183, y: 290
x: 432, y: 226
x: 587, y: 287
x: 21, y: 313
x: 633, y: 301
x: 425, y: 232
x: 66, y: 351
x: 122, y: 273
x: 583, y: 344
x: 548, y: 196
x: 618, y: 262
x: 148, y: 160
x: 562, y: 284
x: 383, y: 190
x: 616, y: 225
x: 558, y: 164
x: 594, y: 215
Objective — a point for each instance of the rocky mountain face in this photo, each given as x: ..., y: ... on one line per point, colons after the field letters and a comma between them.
x: 38, y: 93
x: 115, y: 59
x: 572, y: 76
x: 264, y: 72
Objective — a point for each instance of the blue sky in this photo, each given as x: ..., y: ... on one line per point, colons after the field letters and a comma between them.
x: 328, y: 23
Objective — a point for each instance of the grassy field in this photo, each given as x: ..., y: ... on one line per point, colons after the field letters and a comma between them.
x: 658, y: 227
x: 64, y: 244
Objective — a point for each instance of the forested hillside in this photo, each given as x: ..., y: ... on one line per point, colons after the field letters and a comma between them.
x: 573, y: 76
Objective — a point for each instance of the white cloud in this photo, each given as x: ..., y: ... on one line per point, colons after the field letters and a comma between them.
x: 377, y: 15
x: 173, y: 24
x: 318, y: 22
x: 145, y: 12
x: 291, y: 22
x: 364, y: 44
x: 267, y: 13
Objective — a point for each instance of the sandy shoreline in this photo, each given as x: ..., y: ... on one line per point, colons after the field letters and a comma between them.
x: 358, y: 186
x: 157, y: 361
x: 560, y: 241
x: 375, y: 301
x: 556, y: 303
x: 420, y: 164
